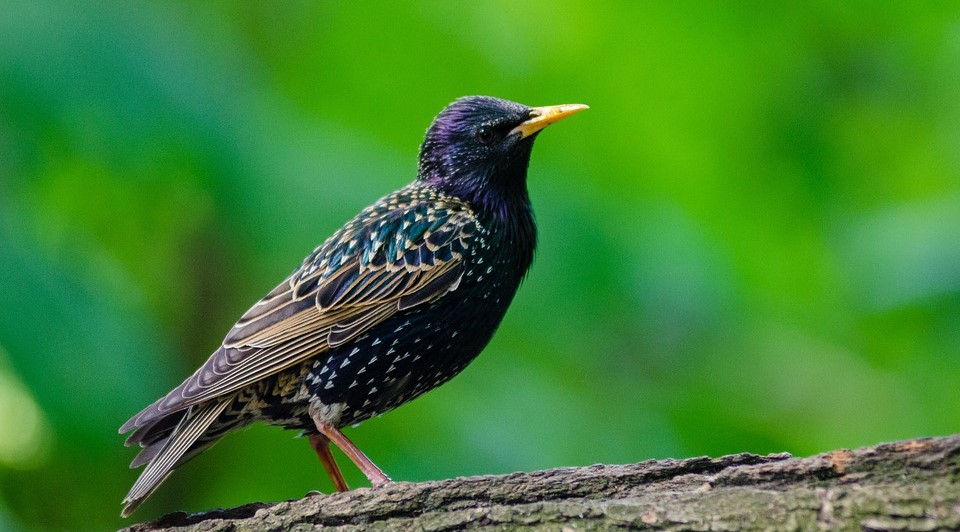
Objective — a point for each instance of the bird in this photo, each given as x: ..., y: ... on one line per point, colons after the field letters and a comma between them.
x: 393, y: 304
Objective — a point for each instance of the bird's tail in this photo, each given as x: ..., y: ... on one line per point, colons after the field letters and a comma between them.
x: 165, y: 455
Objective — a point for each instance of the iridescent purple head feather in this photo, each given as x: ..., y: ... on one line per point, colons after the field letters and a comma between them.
x: 473, y: 151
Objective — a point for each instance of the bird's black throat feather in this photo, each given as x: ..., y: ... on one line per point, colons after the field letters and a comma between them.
x: 491, y: 178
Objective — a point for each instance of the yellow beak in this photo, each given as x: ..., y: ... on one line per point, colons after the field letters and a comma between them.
x: 541, y: 117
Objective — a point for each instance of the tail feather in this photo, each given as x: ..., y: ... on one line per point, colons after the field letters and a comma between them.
x: 147, y: 454
x: 165, y: 456
x: 156, y: 430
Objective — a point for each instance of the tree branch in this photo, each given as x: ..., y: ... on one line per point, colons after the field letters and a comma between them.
x: 910, y: 485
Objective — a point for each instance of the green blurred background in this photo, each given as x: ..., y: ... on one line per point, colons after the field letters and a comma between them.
x: 751, y: 242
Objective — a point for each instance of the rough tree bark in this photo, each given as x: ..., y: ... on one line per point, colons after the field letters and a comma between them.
x: 910, y: 485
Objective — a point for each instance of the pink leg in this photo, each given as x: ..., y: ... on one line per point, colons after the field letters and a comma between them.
x: 373, y: 473
x: 321, y: 445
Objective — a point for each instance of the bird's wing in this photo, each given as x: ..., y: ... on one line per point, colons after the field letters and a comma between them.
x: 392, y: 256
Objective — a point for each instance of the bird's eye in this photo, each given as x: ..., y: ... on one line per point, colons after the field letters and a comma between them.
x: 485, y: 135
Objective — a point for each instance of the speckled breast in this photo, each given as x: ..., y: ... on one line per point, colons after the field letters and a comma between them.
x: 416, y: 350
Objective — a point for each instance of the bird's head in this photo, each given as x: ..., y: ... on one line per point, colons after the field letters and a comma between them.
x: 478, y: 149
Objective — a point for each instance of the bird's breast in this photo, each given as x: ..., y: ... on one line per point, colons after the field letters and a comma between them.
x: 420, y: 348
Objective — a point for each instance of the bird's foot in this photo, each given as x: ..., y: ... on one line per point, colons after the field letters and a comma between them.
x: 377, y: 478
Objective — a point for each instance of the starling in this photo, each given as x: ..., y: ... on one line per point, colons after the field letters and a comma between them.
x: 395, y: 303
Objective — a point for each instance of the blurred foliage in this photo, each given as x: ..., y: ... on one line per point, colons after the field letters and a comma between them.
x: 751, y: 242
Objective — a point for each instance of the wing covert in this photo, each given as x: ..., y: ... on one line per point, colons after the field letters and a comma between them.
x: 391, y: 257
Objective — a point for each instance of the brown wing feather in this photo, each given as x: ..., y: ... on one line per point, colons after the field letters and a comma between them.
x: 347, y: 294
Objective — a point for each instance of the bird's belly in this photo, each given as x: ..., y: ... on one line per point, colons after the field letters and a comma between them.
x: 405, y: 356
